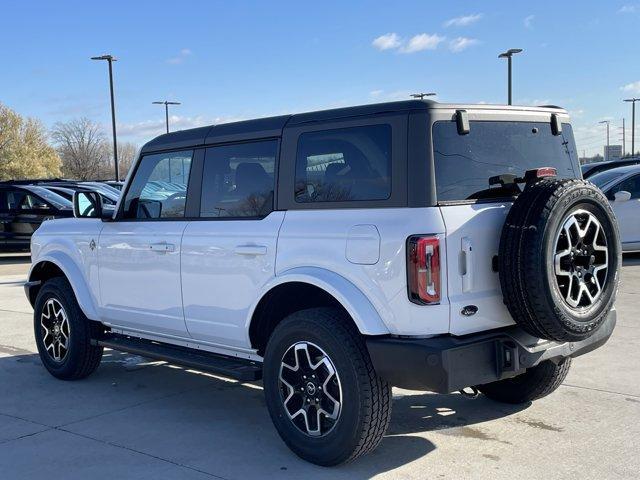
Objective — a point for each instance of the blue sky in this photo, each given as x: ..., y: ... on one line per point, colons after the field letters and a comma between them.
x: 236, y: 60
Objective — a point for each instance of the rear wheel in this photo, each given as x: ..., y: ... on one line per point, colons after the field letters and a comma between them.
x: 63, y: 333
x: 323, y: 395
x: 535, y: 383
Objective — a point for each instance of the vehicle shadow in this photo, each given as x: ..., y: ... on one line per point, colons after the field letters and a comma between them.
x: 176, y: 414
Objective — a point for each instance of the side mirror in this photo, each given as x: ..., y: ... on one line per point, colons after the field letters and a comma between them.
x: 87, y: 204
x: 622, y: 196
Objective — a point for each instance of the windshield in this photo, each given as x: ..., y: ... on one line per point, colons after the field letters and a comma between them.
x: 464, y: 163
x: 602, y: 178
x: 54, y: 199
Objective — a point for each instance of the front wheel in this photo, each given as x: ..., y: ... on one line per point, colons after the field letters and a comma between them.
x: 535, y: 383
x: 63, y: 333
x: 322, y: 392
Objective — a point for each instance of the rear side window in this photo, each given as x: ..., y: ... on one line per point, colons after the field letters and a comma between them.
x: 159, y: 186
x: 464, y: 163
x: 238, y: 180
x: 345, y: 164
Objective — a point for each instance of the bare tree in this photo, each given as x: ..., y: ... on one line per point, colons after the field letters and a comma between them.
x: 126, y: 156
x: 83, y: 148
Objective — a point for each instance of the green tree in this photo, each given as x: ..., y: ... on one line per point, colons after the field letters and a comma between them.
x: 24, y: 151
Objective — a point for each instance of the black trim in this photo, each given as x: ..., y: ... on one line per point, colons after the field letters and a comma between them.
x: 446, y: 363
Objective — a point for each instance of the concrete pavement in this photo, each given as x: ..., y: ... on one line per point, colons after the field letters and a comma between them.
x: 139, y: 419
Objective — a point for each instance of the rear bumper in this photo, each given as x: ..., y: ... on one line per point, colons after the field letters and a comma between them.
x: 445, y: 364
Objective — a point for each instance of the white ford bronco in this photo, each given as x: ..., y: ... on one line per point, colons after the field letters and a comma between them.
x: 335, y: 254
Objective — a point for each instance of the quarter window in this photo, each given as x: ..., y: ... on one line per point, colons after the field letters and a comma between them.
x: 238, y: 180
x: 159, y: 187
x: 345, y: 164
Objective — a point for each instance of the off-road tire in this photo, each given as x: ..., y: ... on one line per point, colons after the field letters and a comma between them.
x: 82, y: 358
x: 535, y: 383
x: 526, y: 253
x: 366, y: 398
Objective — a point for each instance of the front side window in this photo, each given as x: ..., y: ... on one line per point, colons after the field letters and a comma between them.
x: 464, y: 163
x: 159, y: 187
x: 631, y: 185
x: 238, y: 180
x: 345, y: 164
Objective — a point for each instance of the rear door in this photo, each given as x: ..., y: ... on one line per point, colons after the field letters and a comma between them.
x: 229, y: 252
x: 26, y: 212
x: 5, y: 218
x: 474, y: 214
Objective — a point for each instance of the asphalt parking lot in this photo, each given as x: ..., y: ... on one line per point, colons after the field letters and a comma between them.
x: 139, y: 419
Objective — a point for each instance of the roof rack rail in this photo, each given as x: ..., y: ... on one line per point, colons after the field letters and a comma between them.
x: 551, y: 106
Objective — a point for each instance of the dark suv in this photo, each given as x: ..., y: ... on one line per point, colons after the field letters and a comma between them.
x: 23, y: 208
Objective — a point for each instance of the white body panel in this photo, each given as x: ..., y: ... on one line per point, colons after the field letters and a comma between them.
x: 319, y: 238
x: 67, y: 244
x: 225, y: 265
x: 473, y: 238
x: 140, y: 275
x: 628, y: 216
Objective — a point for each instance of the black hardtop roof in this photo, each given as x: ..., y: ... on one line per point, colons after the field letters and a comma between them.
x: 272, y: 126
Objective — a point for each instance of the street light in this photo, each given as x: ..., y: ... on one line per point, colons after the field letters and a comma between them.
x: 508, y: 54
x: 110, y: 59
x: 422, y: 95
x: 607, y: 150
x: 633, y: 123
x: 166, y: 109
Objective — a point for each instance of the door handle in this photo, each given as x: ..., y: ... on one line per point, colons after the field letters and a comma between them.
x: 467, y: 265
x: 162, y: 247
x: 250, y: 250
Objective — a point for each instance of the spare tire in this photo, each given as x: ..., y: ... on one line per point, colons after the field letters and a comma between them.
x: 559, y: 259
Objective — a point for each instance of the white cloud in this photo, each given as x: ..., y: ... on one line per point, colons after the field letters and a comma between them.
x: 463, y: 21
x: 629, y: 9
x: 387, y: 42
x: 147, y: 129
x: 181, y: 57
x: 633, y: 87
x: 383, y: 95
x: 528, y: 21
x: 462, y: 43
x: 422, y: 41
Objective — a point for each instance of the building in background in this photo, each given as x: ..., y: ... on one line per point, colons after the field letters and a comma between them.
x: 612, y: 152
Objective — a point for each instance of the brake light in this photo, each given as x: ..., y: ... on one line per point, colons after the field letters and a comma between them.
x: 423, y: 269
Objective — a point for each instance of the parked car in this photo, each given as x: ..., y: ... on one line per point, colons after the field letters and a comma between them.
x: 590, y: 169
x: 113, y: 183
x: 335, y: 254
x: 23, y: 208
x: 67, y: 190
x: 622, y: 187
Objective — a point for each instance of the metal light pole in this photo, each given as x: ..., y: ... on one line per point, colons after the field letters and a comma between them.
x: 110, y: 59
x: 607, y: 150
x: 633, y: 123
x: 508, y: 55
x: 420, y: 96
x: 166, y: 109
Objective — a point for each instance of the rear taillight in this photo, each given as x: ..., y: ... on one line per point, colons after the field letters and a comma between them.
x: 423, y: 268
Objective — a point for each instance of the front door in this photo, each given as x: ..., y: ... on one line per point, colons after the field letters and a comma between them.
x: 627, y: 212
x: 139, y: 252
x: 229, y: 254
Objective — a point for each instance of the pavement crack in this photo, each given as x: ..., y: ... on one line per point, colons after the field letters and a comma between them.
x: 600, y: 390
x: 150, y: 455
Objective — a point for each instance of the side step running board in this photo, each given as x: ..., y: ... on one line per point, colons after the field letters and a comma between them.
x: 236, y: 368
